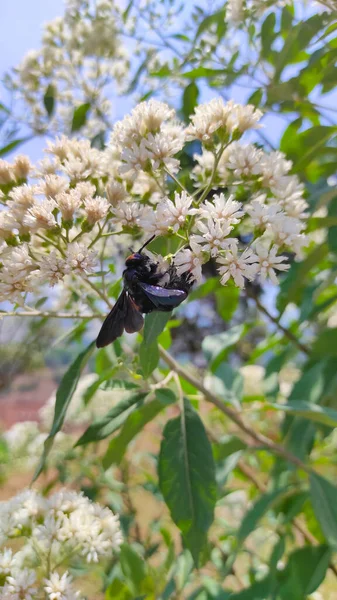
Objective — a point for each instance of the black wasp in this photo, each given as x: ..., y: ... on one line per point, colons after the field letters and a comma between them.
x: 145, y: 289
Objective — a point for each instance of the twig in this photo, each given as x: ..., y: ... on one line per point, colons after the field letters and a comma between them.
x: 232, y: 414
x: 284, y: 330
x: 52, y: 315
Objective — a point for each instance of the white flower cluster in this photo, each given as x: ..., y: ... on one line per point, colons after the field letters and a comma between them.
x: 52, y: 231
x: 52, y: 530
x: 148, y: 139
x: 236, y: 9
x: 25, y: 440
x: 81, y: 54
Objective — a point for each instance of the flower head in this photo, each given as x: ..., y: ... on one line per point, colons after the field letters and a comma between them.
x: 237, y: 265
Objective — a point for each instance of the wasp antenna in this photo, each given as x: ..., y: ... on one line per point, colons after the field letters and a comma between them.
x: 146, y: 243
x: 131, y: 249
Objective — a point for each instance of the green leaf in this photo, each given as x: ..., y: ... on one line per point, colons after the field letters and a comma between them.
x: 304, y: 572
x: 113, y: 420
x: 268, y: 34
x: 80, y: 116
x: 228, y: 444
x: 14, y: 144
x: 187, y: 477
x: 215, y: 347
x: 190, y: 100
x: 133, y: 567
x: 134, y: 424
x: 64, y: 395
x: 148, y: 357
x: 324, y: 502
x: 155, y: 323
x: 227, y: 300
x: 332, y: 233
x: 218, y: 19
x: 49, y: 99
x: 118, y: 590
x: 257, y: 591
x: 297, y: 40
x: 326, y: 343
x: 257, y: 511
x: 313, y: 412
x: 119, y: 384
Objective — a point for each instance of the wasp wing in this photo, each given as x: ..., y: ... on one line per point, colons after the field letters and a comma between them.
x: 163, y: 298
x: 124, y: 315
x: 134, y: 319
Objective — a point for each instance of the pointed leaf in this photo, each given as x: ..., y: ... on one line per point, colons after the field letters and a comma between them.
x: 64, y: 395
x: 187, y: 477
x: 134, y: 424
x: 324, y: 501
x: 80, y: 116
x: 113, y: 420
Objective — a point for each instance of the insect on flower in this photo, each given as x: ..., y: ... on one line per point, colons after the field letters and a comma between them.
x: 145, y: 289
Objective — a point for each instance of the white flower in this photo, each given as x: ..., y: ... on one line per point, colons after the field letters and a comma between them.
x: 189, y: 261
x: 6, y: 561
x: 287, y: 232
x: 95, y: 209
x: 135, y: 157
x: 146, y: 118
x: 85, y: 189
x: 17, y: 261
x: 127, y: 214
x: 242, y: 118
x: 22, y: 198
x: 6, y: 172
x: 178, y: 210
x: 214, y: 115
x: 80, y: 259
x: 40, y: 216
x: 243, y: 160
x: 269, y: 261
x: 214, y: 236
x: 21, y: 585
x: 263, y: 214
x: 221, y: 209
x: 52, y: 185
x: 237, y: 265
x: 58, y: 587
x: 208, y: 118
x: 7, y: 224
x: 115, y: 192
x: 68, y: 203
x: 13, y: 285
x: 273, y: 167
x: 52, y: 268
x: 234, y: 11
x: 21, y: 167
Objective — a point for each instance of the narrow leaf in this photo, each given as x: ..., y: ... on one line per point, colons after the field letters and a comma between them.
x: 134, y: 424
x: 148, y: 357
x: 80, y: 116
x: 113, y: 420
x: 64, y: 395
x: 49, y: 99
x: 313, y: 412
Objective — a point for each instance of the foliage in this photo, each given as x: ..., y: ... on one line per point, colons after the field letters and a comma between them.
x: 211, y: 432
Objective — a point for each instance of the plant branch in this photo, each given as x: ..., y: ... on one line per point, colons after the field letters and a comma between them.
x: 289, y: 334
x: 232, y: 414
x: 52, y: 315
